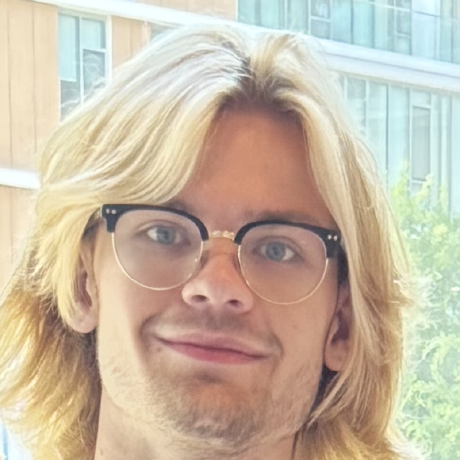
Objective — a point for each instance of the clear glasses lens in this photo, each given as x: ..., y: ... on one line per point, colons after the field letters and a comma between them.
x: 160, y: 250
x: 282, y: 263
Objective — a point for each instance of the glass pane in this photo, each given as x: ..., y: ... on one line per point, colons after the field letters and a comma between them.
x: 271, y: 14
x: 438, y: 142
x: 357, y: 101
x: 342, y: 83
x: 447, y: 8
x: 421, y: 98
x: 70, y: 96
x: 341, y: 21
x: 416, y: 187
x: 384, y: 27
x: 93, y: 70
x: 421, y: 136
x: 446, y: 39
x: 456, y: 39
x: 424, y: 35
x: 320, y: 9
x: 377, y: 123
x: 403, y: 4
x: 247, y: 11
x: 298, y: 16
x: 427, y: 6
x: 402, y: 44
x: 455, y: 156
x: 363, y: 23
x: 92, y: 34
x: 398, y: 132
x: 68, y: 48
x: 356, y: 89
x: 320, y: 28
x: 403, y: 22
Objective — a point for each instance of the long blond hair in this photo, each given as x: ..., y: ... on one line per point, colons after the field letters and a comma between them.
x: 139, y: 140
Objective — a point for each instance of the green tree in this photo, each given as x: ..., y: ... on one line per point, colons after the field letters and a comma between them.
x: 431, y: 384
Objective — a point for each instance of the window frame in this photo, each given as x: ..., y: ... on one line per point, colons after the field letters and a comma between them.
x: 416, y: 181
x: 80, y: 16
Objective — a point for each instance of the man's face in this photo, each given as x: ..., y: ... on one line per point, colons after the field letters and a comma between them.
x: 255, y: 165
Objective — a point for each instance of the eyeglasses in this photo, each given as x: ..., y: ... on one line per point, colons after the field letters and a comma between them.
x: 160, y: 248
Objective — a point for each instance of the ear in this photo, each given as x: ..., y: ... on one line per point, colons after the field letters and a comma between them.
x: 85, y: 317
x: 338, y: 340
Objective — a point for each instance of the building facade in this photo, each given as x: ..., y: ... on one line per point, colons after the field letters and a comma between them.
x: 409, y: 112
x: 398, y: 62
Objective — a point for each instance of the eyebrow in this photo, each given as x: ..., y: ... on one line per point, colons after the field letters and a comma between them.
x: 255, y: 216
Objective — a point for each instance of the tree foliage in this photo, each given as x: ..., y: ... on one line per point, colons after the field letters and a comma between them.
x: 431, y: 384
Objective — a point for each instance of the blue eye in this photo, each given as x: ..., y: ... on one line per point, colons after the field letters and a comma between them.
x: 277, y: 252
x: 163, y: 235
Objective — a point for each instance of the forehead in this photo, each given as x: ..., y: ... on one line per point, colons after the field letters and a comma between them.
x: 255, y: 162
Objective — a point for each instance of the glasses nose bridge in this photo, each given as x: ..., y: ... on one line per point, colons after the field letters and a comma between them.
x: 222, y: 234
x: 223, y: 247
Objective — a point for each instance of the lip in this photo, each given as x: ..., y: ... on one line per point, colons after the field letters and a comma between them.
x: 217, y: 349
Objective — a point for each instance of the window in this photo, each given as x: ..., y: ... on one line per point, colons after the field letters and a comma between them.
x: 425, y: 28
x: 421, y: 134
x: 341, y: 20
x: 408, y: 128
x: 82, y: 59
x: 297, y: 14
x: 398, y: 132
x: 272, y: 13
x: 269, y: 13
x: 454, y: 166
x: 368, y: 102
x: 377, y: 116
x: 420, y: 143
x: 426, y: 6
x: 384, y: 25
x: 363, y: 23
x: 320, y: 18
x: 357, y: 100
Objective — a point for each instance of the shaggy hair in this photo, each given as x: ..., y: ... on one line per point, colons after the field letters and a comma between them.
x: 140, y: 140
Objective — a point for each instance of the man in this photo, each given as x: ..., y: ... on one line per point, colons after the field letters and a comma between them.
x: 213, y: 271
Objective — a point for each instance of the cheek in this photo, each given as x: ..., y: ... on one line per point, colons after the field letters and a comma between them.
x: 124, y: 348
x: 303, y: 328
x: 302, y: 338
x: 124, y: 307
x: 121, y: 300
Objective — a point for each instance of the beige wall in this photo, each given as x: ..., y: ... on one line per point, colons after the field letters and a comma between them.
x: 128, y: 38
x: 28, y: 79
x: 29, y: 84
x: 16, y: 214
x: 29, y: 107
x: 29, y: 95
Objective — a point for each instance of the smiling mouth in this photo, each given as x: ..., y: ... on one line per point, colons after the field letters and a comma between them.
x: 210, y: 353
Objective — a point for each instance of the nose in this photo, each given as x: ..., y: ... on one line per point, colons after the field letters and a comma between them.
x: 219, y: 283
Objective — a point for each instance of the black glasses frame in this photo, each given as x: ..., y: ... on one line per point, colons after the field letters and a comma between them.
x: 331, y: 238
